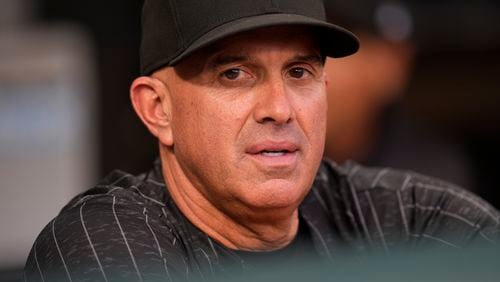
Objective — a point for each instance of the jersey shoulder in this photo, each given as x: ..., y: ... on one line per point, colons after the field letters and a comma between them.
x: 390, y: 205
x: 121, y: 227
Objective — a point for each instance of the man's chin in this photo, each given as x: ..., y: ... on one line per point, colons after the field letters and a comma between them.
x: 276, y: 194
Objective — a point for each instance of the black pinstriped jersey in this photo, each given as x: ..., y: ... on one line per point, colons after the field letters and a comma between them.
x: 128, y: 228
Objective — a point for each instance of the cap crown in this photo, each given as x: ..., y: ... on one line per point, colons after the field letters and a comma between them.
x: 170, y: 26
x: 174, y: 29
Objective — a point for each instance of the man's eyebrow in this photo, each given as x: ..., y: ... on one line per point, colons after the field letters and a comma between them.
x: 226, y: 59
x: 313, y: 58
x: 220, y: 60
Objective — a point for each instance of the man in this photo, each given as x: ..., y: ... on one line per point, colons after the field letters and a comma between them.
x: 236, y: 96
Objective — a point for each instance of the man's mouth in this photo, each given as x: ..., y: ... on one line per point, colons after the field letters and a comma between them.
x: 273, y: 149
x: 279, y: 153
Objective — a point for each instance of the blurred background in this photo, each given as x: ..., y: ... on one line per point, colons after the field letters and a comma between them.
x: 422, y: 94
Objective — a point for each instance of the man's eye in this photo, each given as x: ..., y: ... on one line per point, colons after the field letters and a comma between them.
x: 297, y: 72
x: 232, y: 74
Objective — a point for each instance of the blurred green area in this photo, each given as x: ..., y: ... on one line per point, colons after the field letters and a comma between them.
x: 476, y: 264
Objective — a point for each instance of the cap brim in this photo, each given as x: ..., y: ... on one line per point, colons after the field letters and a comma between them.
x: 336, y: 41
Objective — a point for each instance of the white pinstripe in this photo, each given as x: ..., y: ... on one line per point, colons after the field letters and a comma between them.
x: 320, y: 200
x: 201, y: 273
x: 59, y: 250
x: 146, y: 197
x: 37, y: 264
x: 350, y: 215
x: 107, y: 193
x: 125, y: 240
x: 157, y: 244
x: 183, y: 259
x: 321, y: 239
x: 453, y: 215
x: 378, y: 177
x: 208, y: 259
x: 400, y: 203
x: 435, y: 238
x: 358, y: 206
x: 321, y: 176
x: 212, y: 246
x: 461, y: 196
x: 116, y: 181
x: 486, y: 238
x: 90, y: 242
x: 107, y: 186
x: 89, y: 197
x: 376, y: 219
x: 443, y: 212
x: 149, y: 180
x: 165, y: 215
x: 187, y: 267
x: 121, y: 178
x: 155, y: 182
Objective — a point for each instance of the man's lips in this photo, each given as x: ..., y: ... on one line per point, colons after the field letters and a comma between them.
x: 279, y: 157
x: 273, y: 149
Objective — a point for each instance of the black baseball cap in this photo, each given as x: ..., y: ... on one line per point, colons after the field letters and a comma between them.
x: 174, y: 29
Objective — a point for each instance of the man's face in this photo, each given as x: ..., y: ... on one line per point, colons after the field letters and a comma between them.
x: 249, y: 118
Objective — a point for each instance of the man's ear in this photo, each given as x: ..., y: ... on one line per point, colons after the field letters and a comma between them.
x: 151, y: 101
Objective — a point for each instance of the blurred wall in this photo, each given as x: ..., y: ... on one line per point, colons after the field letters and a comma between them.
x: 115, y: 26
x: 455, y: 87
x: 48, y: 142
x: 442, y: 119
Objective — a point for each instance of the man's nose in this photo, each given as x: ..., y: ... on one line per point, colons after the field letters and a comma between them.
x: 274, y: 104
